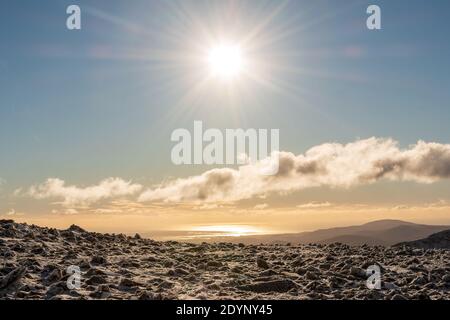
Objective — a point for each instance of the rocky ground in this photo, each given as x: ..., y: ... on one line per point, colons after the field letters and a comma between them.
x: 34, y: 262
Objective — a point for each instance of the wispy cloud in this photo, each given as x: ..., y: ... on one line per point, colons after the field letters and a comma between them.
x: 65, y: 211
x: 261, y: 206
x: 313, y: 205
x: 331, y: 164
x: 13, y: 213
x: 74, y: 196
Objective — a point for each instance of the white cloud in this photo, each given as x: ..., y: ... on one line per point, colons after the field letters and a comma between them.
x: 74, y: 196
x: 330, y: 164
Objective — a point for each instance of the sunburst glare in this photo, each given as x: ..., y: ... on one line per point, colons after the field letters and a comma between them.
x: 226, y: 61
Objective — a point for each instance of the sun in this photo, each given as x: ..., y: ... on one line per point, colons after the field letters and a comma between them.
x: 226, y: 61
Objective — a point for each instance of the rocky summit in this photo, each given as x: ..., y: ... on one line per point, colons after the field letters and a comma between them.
x: 45, y: 263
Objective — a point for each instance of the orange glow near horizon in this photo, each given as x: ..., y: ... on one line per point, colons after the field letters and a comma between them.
x: 232, y: 230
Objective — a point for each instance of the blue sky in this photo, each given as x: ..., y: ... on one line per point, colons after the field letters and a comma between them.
x: 100, y: 102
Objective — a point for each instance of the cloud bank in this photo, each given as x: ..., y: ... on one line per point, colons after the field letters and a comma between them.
x: 331, y: 164
x: 76, y: 196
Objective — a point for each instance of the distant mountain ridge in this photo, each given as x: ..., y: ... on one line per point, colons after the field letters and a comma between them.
x: 440, y: 240
x: 381, y: 232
